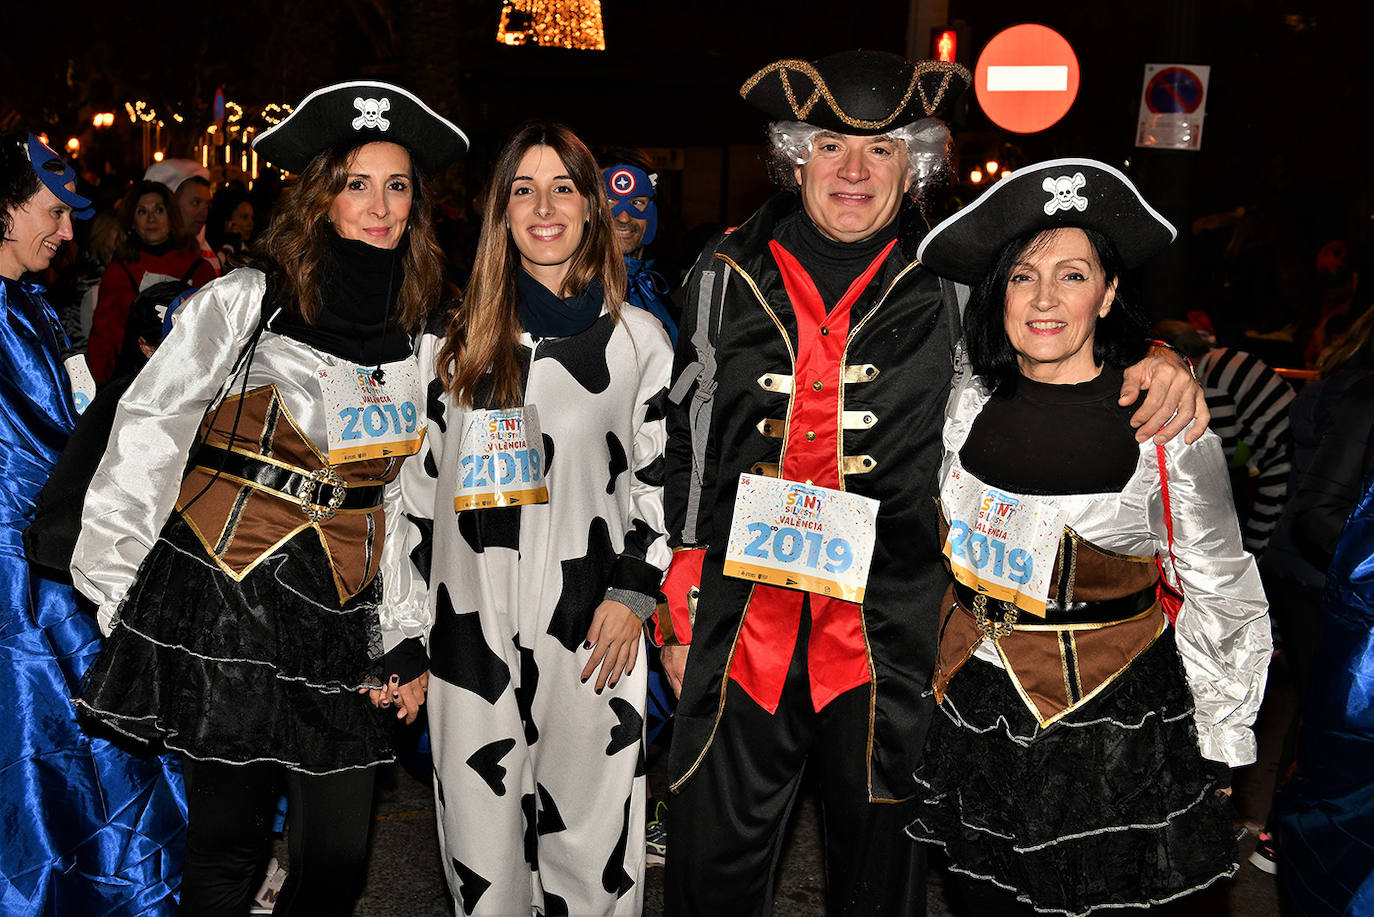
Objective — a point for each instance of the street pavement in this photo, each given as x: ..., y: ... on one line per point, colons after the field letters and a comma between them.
x: 405, y: 878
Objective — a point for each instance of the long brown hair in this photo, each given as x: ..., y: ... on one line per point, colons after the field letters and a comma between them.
x: 293, y: 245
x: 128, y: 247
x: 484, y: 334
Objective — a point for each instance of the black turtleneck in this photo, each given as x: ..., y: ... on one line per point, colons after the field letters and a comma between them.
x: 832, y: 265
x: 157, y: 251
x: 1040, y: 438
x: 359, y: 288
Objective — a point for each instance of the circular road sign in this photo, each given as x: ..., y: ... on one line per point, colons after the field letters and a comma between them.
x: 1173, y: 90
x: 1026, y: 78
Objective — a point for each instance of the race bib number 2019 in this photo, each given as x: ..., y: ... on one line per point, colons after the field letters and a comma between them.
x: 802, y: 536
x: 83, y: 384
x: 371, y: 417
x: 1000, y: 543
x: 501, y: 462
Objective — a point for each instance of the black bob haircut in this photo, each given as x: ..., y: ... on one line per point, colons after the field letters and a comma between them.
x: 18, y: 181
x: 1118, y: 340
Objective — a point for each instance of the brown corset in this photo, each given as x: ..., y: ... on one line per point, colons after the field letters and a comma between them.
x: 1060, y: 662
x: 240, y: 522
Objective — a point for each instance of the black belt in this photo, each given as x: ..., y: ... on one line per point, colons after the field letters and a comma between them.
x: 320, y: 493
x: 1106, y: 611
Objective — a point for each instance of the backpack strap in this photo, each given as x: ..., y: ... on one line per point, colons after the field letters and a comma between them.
x: 955, y: 296
x: 1168, y: 512
x: 243, y: 362
x: 702, y: 372
x: 191, y: 271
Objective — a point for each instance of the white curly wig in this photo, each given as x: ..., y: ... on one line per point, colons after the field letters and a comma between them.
x: 927, y: 146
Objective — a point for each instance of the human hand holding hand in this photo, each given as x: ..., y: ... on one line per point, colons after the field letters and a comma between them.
x: 407, y: 698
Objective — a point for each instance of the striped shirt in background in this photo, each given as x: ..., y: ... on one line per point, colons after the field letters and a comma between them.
x: 1249, y: 404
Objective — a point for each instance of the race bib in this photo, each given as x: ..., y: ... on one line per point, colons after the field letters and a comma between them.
x: 151, y: 279
x: 802, y: 536
x: 83, y: 383
x: 369, y: 419
x: 501, y: 462
x: 1000, y: 543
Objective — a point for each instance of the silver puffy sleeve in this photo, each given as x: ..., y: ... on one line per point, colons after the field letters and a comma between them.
x: 1223, y: 628
x: 138, y: 479
x: 410, y: 507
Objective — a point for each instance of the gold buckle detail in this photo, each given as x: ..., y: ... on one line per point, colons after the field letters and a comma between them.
x: 990, y: 628
x: 315, y: 511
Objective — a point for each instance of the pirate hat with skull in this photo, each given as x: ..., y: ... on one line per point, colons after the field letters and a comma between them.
x: 1048, y: 195
x: 357, y: 112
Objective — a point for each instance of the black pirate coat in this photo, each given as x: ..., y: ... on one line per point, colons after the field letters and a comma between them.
x: 899, y: 361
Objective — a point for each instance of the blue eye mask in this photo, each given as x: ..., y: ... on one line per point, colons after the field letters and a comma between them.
x: 624, y: 182
x: 45, y: 162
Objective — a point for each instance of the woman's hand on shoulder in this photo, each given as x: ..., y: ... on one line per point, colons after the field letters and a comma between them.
x: 1174, y: 398
x: 614, y: 641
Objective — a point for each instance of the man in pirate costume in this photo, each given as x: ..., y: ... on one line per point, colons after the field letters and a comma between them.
x: 815, y: 349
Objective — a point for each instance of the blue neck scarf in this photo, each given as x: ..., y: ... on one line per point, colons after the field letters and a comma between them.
x: 544, y: 315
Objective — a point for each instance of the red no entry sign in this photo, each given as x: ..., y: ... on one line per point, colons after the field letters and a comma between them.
x: 1026, y: 78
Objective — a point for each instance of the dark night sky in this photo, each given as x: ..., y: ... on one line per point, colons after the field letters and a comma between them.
x: 1287, y: 126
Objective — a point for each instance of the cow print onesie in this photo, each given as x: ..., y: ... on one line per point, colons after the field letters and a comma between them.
x: 539, y: 781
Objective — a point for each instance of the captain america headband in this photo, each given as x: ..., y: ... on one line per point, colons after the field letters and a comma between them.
x: 45, y: 162
x: 624, y: 182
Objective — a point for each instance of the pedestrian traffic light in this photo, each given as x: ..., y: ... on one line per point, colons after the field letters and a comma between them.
x: 944, y: 44
x: 952, y: 44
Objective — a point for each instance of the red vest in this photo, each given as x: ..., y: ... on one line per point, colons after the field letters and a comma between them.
x: 837, y: 656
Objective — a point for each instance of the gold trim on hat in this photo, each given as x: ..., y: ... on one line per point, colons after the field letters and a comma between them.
x: 822, y: 91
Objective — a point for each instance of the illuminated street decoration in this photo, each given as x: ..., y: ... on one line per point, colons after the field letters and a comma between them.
x: 274, y: 113
x: 552, y: 24
x: 228, y: 144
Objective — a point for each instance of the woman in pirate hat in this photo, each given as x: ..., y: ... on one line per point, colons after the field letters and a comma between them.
x: 84, y: 821
x: 233, y: 532
x: 1087, y: 725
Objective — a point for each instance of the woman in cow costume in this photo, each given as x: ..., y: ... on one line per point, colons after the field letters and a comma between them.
x: 1082, y: 750
x: 233, y: 533
x: 537, y: 547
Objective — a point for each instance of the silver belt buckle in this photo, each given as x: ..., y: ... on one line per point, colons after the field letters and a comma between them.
x: 315, y: 511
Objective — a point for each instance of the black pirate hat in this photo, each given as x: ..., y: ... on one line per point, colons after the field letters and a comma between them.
x: 358, y: 112
x: 855, y: 92
x: 1048, y: 195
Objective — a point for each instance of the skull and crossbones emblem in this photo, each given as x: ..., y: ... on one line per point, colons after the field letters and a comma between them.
x: 370, y: 113
x: 1064, y: 193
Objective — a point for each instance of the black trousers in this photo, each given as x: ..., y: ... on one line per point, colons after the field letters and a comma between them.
x: 727, y: 824
x: 230, y: 807
x: 1296, y: 612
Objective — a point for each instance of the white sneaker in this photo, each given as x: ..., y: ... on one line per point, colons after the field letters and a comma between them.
x: 266, y: 898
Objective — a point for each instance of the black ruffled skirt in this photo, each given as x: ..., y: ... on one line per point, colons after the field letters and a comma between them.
x: 1113, y: 806
x: 255, y: 670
